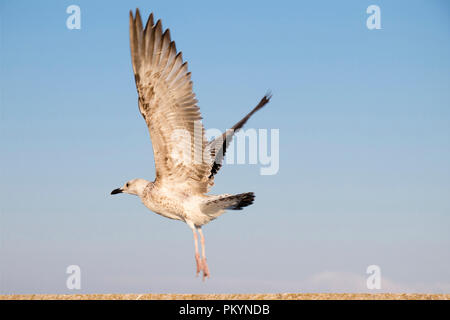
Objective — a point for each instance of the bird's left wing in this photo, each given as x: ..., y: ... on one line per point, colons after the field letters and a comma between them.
x: 169, y: 107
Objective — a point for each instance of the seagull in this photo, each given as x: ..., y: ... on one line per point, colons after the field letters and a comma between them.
x: 169, y: 107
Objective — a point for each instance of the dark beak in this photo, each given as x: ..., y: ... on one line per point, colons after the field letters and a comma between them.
x: 116, y: 191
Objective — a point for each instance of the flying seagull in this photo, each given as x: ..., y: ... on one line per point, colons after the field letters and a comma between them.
x: 168, y: 105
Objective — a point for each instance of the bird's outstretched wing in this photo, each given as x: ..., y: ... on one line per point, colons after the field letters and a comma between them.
x: 218, y: 147
x: 169, y: 107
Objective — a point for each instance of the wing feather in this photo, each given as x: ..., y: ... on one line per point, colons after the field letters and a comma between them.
x: 169, y: 107
x: 218, y: 147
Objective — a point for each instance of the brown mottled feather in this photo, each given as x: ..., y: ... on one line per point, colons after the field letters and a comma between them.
x: 167, y: 103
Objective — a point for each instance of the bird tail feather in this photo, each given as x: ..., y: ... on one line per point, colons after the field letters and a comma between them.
x: 218, y: 204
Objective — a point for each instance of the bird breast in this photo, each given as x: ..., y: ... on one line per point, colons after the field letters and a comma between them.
x: 164, y: 203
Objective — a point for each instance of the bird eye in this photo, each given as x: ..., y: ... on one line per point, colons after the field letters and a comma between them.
x: 127, y: 184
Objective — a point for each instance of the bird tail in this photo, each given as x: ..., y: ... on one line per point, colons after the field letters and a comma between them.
x: 216, y: 205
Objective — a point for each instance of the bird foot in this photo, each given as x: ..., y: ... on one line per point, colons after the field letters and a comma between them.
x: 202, y: 266
x: 205, y: 269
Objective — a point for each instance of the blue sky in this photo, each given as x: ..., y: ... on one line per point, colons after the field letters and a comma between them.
x: 364, y: 120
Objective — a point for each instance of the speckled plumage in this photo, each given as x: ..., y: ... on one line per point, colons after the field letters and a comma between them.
x: 185, y: 162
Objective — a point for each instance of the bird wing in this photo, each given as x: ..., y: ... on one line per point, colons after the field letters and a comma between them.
x: 218, y: 147
x: 169, y: 107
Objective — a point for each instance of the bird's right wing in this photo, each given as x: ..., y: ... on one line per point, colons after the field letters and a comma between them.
x: 218, y: 147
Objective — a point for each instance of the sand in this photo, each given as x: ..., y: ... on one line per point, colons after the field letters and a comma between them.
x: 274, y: 296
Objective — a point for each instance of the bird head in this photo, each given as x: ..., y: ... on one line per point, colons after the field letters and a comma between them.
x: 135, y: 186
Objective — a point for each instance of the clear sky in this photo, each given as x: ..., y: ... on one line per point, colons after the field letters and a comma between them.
x: 364, y: 122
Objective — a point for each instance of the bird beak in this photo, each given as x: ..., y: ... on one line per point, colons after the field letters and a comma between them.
x: 116, y: 191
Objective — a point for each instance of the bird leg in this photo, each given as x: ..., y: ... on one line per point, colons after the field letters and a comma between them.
x: 204, y: 264
x: 197, y: 255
